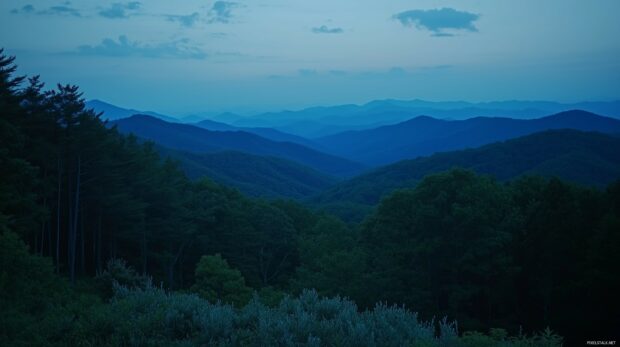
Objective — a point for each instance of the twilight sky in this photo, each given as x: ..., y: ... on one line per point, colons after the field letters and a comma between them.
x: 181, y: 57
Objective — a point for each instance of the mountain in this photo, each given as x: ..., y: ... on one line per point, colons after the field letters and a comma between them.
x: 323, y: 121
x: 589, y: 158
x: 268, y: 133
x: 112, y: 112
x: 425, y: 135
x: 216, y: 126
x: 198, y: 140
x: 252, y: 174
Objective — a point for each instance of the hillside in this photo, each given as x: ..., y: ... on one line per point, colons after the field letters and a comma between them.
x: 584, y: 157
x: 425, y: 135
x: 113, y: 112
x: 268, y: 133
x: 253, y: 175
x: 322, y: 121
x: 197, y: 140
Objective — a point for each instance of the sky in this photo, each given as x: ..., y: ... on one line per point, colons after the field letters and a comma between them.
x: 248, y: 56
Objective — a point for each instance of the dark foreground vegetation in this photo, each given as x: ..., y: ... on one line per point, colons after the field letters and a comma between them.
x: 204, y: 265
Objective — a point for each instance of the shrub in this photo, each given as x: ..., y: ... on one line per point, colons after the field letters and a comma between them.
x: 118, y: 273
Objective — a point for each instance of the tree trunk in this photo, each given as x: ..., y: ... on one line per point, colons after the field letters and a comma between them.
x: 43, y: 228
x: 82, y: 244
x: 74, y: 223
x: 170, y: 267
x: 43, y: 221
x: 58, y: 216
x: 98, y: 244
x: 144, y: 247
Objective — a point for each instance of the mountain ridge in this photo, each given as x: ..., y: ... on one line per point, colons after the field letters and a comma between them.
x: 590, y: 158
x: 424, y: 135
x: 190, y: 138
x: 254, y: 175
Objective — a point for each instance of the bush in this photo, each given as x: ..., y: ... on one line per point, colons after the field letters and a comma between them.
x: 216, y: 280
x: 153, y: 317
x: 37, y: 307
x: 118, y: 273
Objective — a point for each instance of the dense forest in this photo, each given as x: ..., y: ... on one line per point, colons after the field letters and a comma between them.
x: 103, y: 242
x: 587, y: 158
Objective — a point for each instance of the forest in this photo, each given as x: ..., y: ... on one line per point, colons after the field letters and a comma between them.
x: 104, y: 241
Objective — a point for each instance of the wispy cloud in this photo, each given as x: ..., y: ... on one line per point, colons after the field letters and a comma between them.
x: 63, y: 9
x: 307, y: 72
x: 187, y: 21
x: 221, y: 11
x: 438, y: 20
x: 120, y: 10
x: 324, y: 29
x: 180, y: 49
x: 26, y: 9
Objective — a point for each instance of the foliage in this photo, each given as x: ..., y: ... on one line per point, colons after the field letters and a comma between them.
x: 253, y: 175
x: 38, y: 308
x: 488, y: 255
x: 329, y: 261
x: 153, y: 317
x: 216, y: 281
x: 118, y: 273
x: 582, y: 157
x: 445, y: 245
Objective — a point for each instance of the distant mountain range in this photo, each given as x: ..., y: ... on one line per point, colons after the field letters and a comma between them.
x: 198, y: 140
x: 425, y: 135
x: 112, y: 112
x: 268, y: 133
x: 589, y: 158
x: 322, y: 121
x: 253, y: 175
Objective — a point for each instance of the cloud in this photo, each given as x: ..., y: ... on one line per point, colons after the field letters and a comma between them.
x: 307, y: 72
x: 186, y: 21
x: 180, y: 49
x: 221, y: 12
x: 26, y: 9
x: 438, y: 20
x: 323, y: 29
x: 61, y: 10
x: 120, y: 10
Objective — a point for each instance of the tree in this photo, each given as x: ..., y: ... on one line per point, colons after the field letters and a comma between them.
x: 216, y: 280
x: 331, y: 260
x: 443, y: 247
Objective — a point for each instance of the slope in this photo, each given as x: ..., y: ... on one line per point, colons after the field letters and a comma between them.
x: 253, y: 175
x: 194, y: 139
x: 268, y: 133
x: 113, y: 112
x: 583, y: 157
x: 425, y: 135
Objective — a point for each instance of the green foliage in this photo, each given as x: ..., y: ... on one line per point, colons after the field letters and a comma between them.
x: 216, y: 281
x: 329, y: 260
x: 499, y: 337
x: 254, y: 175
x: 153, y: 317
x: 118, y: 273
x: 38, y: 308
x: 443, y: 247
x: 581, y: 157
x: 270, y: 296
